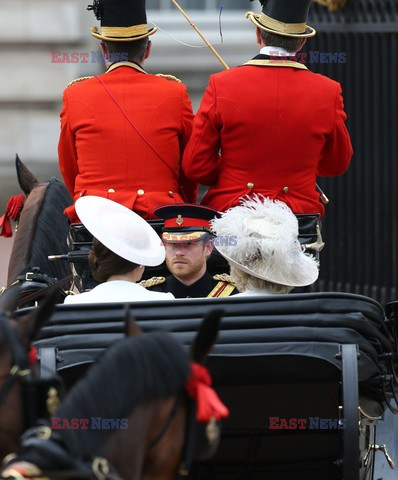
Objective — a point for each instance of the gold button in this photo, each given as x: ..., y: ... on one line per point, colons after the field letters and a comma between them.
x: 250, y: 185
x: 171, y: 193
x: 140, y: 191
x: 111, y: 190
x: 285, y: 189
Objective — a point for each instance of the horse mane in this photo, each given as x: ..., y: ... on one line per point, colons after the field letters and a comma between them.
x: 135, y: 370
x: 42, y: 231
x: 56, y: 199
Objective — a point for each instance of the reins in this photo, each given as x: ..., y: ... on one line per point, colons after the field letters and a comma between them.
x: 167, y: 423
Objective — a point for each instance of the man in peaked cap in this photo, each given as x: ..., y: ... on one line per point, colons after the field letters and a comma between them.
x: 188, y: 242
x: 123, y: 133
x: 276, y: 125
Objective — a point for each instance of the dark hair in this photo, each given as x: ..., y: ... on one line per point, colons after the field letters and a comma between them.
x: 104, y: 263
x: 291, y: 44
x: 127, y: 51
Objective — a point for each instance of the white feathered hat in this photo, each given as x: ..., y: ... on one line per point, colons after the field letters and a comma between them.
x: 121, y: 230
x: 260, y: 237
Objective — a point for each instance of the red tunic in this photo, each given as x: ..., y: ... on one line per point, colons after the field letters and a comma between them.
x: 277, y: 128
x: 101, y: 153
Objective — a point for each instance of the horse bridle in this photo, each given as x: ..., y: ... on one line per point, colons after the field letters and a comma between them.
x: 20, y: 369
x: 191, y: 429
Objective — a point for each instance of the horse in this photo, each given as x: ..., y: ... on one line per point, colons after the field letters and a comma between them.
x: 42, y: 231
x: 23, y: 397
x: 144, y: 421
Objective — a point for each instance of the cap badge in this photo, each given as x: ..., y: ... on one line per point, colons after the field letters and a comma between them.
x: 179, y: 220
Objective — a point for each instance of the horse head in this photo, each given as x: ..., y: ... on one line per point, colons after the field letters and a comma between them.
x: 42, y: 231
x: 22, y: 395
x: 137, y: 407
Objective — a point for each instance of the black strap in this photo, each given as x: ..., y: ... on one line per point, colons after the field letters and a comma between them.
x: 167, y: 424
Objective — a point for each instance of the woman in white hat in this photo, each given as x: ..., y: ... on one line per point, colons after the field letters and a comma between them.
x: 259, y: 238
x: 123, y: 244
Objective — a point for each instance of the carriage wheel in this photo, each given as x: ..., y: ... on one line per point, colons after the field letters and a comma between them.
x: 351, y: 459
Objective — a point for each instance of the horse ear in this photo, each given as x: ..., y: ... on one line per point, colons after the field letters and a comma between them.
x: 9, y: 299
x: 131, y: 327
x: 30, y: 324
x: 27, y: 181
x: 207, y: 335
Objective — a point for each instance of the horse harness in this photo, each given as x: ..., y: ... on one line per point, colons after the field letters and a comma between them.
x: 200, y: 439
x: 36, y: 391
x: 99, y: 468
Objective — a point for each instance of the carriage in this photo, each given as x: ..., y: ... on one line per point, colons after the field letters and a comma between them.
x: 306, y: 376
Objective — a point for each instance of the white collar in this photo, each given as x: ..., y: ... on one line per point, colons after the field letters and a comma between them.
x: 276, y: 51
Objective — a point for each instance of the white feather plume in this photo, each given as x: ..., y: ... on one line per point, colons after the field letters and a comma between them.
x: 262, y: 234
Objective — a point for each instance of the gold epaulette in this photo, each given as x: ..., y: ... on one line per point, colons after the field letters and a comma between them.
x: 77, y: 80
x: 224, y: 287
x: 169, y: 77
x: 223, y: 277
x: 152, y: 282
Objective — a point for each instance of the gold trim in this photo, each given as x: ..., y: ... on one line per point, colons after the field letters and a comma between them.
x: 227, y: 291
x: 255, y: 18
x: 125, y: 31
x: 80, y: 79
x: 23, y: 470
x: 169, y: 77
x: 96, y: 33
x: 332, y: 5
x: 152, y: 282
x: 281, y: 26
x: 277, y: 63
x: 126, y: 64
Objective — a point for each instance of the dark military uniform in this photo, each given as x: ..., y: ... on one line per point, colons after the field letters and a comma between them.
x: 186, y: 223
x: 217, y: 286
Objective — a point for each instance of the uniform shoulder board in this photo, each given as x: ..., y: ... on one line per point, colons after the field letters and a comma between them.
x: 169, y: 77
x: 152, y: 282
x: 223, y: 277
x: 77, y: 80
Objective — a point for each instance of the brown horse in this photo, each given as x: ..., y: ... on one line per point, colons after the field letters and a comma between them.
x: 20, y: 390
x: 42, y: 231
x: 132, y: 409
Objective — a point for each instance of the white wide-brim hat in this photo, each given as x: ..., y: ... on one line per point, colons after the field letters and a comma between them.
x: 260, y: 237
x: 121, y: 230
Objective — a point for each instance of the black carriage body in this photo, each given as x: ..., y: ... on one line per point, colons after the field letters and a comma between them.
x: 287, y: 360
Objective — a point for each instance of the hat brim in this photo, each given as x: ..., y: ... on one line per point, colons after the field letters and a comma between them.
x: 184, y: 237
x: 310, y: 276
x: 102, y: 217
x: 254, y: 18
x: 151, y: 31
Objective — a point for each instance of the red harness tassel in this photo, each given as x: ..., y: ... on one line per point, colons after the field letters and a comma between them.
x: 208, y: 403
x: 14, y: 207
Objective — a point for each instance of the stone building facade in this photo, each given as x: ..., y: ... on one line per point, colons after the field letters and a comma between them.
x: 32, y: 79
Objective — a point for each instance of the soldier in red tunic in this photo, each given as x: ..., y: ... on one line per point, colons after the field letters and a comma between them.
x: 123, y: 133
x: 270, y: 126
